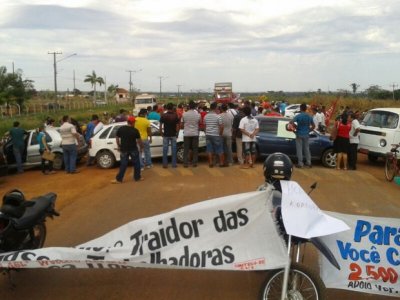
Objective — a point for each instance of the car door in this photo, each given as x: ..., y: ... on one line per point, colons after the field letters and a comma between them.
x: 32, y: 152
x: 157, y: 140
x: 111, y: 142
x: 269, y: 139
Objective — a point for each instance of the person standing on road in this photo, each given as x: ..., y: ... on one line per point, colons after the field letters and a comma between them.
x: 169, y: 130
x: 214, y: 128
x: 69, y: 137
x: 127, y: 138
x: 249, y: 127
x: 154, y: 115
x: 190, y: 122
x: 354, y: 140
x: 341, y: 144
x: 227, y: 120
x: 303, y: 124
x: 18, y: 139
x: 94, y: 126
x: 143, y: 125
x: 43, y: 146
x: 237, y: 135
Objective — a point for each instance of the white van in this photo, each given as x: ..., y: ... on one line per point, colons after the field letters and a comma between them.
x: 143, y: 101
x: 379, y: 130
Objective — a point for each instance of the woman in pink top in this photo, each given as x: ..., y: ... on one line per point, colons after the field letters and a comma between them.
x: 342, y: 142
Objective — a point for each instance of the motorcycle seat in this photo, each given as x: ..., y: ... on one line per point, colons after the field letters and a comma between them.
x: 35, y: 212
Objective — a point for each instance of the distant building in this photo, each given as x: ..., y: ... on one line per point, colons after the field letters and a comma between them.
x: 121, y: 95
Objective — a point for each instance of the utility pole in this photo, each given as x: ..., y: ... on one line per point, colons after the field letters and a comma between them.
x: 161, y: 79
x: 55, y: 70
x: 74, y: 80
x: 179, y: 87
x: 393, y: 85
x: 130, y: 80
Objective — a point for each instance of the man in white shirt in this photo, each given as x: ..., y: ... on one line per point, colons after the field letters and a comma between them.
x: 249, y: 127
x: 354, y: 141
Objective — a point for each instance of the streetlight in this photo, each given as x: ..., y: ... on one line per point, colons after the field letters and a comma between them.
x: 130, y: 80
x: 55, y: 67
x: 161, y: 79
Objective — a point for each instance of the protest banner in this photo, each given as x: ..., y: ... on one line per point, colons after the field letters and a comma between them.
x: 229, y: 233
x: 302, y: 217
x: 368, y: 253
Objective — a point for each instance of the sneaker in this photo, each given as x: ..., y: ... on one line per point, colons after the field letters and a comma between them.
x: 149, y: 166
x: 52, y: 172
x: 308, y: 166
x: 299, y: 166
x: 165, y: 166
x: 74, y: 172
x: 142, y: 169
x: 115, y: 181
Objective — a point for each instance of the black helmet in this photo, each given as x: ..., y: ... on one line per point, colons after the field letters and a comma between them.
x: 277, y: 166
x: 13, y: 203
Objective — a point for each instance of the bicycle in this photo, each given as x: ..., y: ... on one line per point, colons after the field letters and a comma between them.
x: 392, y: 166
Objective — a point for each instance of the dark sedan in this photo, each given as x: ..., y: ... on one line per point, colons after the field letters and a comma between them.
x: 273, y: 137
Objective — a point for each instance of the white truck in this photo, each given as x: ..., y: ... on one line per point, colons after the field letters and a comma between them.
x: 379, y: 130
x: 144, y: 101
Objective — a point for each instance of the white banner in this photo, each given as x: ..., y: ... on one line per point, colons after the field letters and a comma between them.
x: 301, y: 215
x: 229, y: 233
x: 368, y: 254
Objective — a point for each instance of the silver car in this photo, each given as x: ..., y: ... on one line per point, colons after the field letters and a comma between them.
x: 32, y: 157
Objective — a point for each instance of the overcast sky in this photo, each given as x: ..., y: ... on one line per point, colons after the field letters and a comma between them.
x: 258, y: 45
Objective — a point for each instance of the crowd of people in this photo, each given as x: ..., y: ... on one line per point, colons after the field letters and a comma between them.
x: 223, y: 124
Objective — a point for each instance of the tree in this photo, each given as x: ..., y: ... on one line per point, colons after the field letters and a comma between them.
x: 354, y: 87
x: 13, y: 88
x: 94, y: 80
x: 376, y: 92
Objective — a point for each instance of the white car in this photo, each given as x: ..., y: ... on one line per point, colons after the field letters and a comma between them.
x: 103, y: 145
x: 292, y: 110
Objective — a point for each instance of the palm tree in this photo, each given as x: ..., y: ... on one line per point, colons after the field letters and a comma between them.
x: 94, y: 80
x: 354, y: 87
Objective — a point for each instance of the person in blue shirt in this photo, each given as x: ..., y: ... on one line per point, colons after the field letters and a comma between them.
x: 44, y: 147
x: 18, y: 139
x: 303, y: 124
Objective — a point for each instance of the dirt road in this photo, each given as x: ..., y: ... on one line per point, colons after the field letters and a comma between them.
x: 90, y: 206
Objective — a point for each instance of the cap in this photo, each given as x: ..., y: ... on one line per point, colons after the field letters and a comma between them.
x: 131, y: 119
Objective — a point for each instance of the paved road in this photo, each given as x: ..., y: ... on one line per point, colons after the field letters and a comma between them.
x: 91, y: 206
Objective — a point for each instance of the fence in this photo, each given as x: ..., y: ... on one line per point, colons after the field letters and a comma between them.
x: 38, y: 107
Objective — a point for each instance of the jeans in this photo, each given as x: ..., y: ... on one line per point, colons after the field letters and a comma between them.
x: 70, y: 153
x: 239, y: 150
x: 18, y: 152
x: 147, y: 154
x: 302, y: 147
x: 50, y: 163
x: 134, y: 155
x: 190, y: 142
x: 228, y: 149
x: 352, y: 156
x: 166, y: 141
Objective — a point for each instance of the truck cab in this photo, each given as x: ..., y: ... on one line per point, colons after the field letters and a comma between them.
x: 143, y: 101
x: 223, y: 92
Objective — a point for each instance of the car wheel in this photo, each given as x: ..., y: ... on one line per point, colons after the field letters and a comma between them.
x: 58, y: 161
x: 179, y: 153
x: 329, y: 158
x: 105, y: 160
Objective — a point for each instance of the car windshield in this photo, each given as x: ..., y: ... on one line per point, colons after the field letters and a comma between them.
x: 382, y: 119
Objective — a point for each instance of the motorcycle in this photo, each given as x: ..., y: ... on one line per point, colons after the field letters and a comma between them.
x: 22, y: 222
x: 302, y: 282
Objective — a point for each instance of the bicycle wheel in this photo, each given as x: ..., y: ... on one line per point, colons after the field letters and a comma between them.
x: 390, y: 168
x: 302, y: 284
